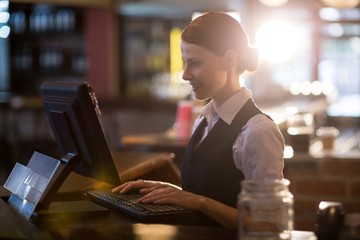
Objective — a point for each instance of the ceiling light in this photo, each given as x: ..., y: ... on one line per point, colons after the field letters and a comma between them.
x: 273, y: 3
x: 341, y: 3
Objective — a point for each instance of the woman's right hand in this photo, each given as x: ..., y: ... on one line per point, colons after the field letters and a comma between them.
x: 144, y: 186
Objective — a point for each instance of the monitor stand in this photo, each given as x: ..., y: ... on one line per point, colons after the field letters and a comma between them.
x: 34, y: 186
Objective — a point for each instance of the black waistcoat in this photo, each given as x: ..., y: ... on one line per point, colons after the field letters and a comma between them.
x: 209, y: 169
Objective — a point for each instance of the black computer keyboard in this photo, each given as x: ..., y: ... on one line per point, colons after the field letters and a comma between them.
x: 155, y: 213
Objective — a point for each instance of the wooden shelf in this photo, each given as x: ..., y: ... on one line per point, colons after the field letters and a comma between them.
x: 48, y: 43
x: 78, y: 3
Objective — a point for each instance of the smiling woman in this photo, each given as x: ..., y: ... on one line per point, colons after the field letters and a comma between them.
x: 232, y: 139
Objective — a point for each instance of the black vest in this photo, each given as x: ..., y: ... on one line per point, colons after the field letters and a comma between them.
x: 209, y: 169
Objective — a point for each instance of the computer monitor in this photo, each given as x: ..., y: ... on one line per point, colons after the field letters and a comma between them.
x: 73, y: 113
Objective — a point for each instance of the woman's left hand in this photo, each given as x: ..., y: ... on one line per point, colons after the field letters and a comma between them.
x: 170, y: 195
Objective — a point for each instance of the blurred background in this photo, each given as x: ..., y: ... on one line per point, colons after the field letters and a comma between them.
x: 308, y: 76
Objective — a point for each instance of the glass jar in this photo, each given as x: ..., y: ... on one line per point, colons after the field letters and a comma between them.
x: 265, y: 210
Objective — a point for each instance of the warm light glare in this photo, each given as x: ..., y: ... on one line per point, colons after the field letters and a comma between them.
x: 288, y: 152
x: 4, y: 31
x: 295, y: 88
x: 305, y: 88
x: 162, y: 231
x: 273, y: 3
x: 341, y: 3
x: 326, y: 204
x: 316, y: 88
x: 292, y: 110
x: 277, y: 41
x: 195, y: 15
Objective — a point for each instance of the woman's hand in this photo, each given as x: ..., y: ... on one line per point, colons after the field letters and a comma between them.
x: 165, y: 193
x: 171, y: 195
x: 143, y: 186
x: 225, y: 215
x: 161, y: 193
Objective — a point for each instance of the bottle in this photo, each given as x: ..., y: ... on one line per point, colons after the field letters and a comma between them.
x: 265, y: 210
x: 329, y: 220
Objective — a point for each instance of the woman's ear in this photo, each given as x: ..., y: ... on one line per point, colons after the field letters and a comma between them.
x: 231, y: 59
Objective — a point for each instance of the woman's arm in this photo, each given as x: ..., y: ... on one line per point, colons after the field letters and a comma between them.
x: 258, y: 150
x: 166, y: 193
x: 219, y: 212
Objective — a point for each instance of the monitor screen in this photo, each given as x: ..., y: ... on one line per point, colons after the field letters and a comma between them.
x: 73, y: 113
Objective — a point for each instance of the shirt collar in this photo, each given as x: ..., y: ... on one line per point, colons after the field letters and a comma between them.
x: 228, y: 110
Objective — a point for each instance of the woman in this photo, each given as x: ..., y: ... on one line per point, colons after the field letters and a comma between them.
x: 233, y: 140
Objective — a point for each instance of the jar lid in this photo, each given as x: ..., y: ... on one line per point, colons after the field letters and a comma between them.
x: 259, y: 185
x: 282, y: 181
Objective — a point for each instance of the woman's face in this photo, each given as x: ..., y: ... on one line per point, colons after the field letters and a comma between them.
x: 205, y: 71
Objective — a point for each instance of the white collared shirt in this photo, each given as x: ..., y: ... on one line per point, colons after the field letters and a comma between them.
x: 258, y: 150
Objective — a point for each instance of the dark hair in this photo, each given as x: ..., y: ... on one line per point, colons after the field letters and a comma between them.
x: 219, y: 32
